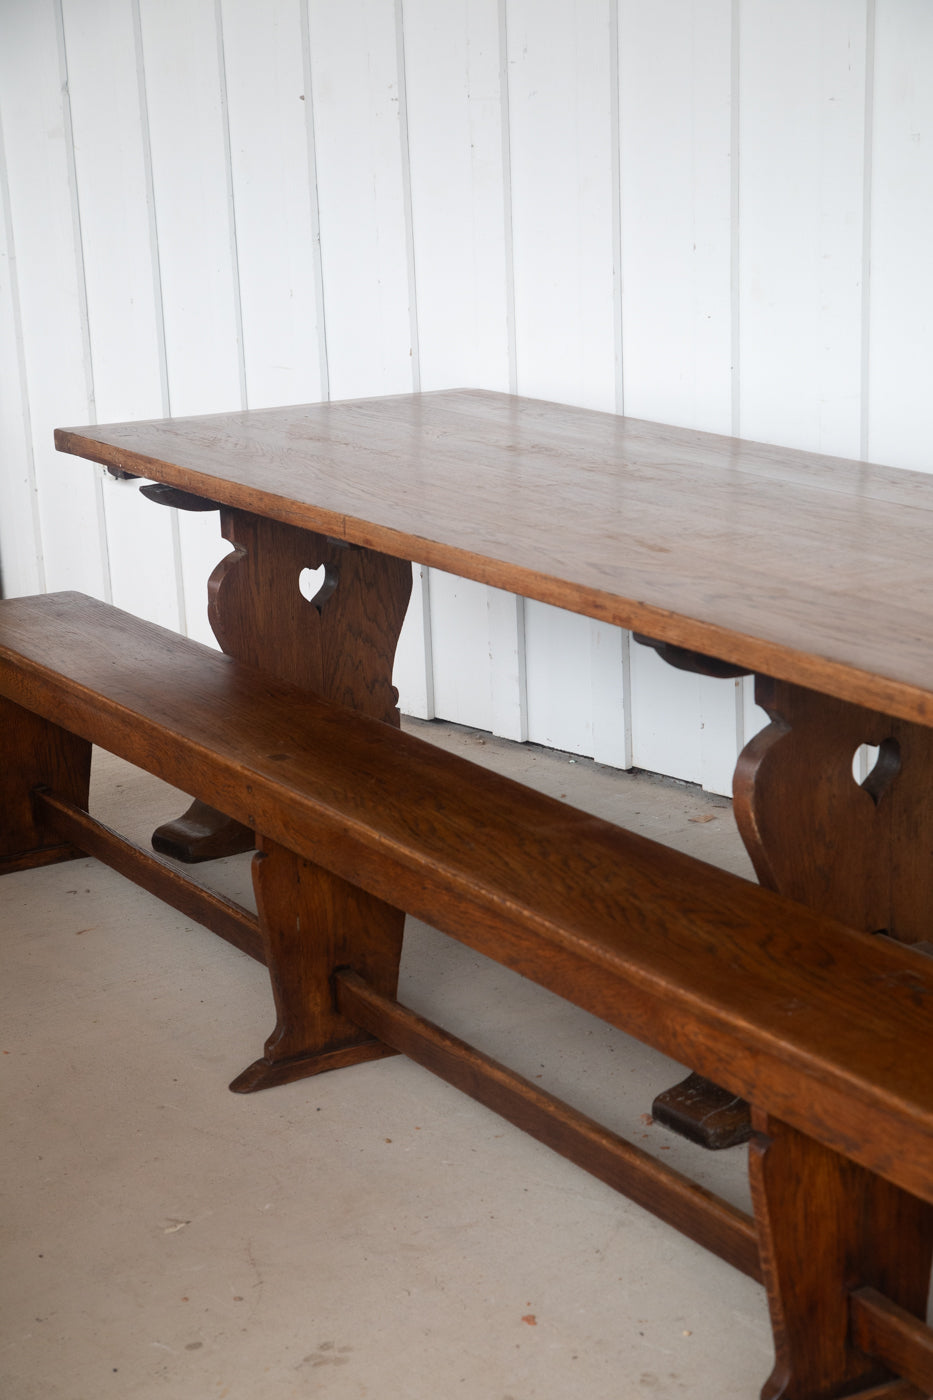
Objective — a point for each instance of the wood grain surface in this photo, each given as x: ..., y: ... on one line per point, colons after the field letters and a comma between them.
x: 824, y: 1026
x: 809, y: 568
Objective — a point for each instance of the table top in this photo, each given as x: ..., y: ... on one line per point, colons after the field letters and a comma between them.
x: 809, y: 568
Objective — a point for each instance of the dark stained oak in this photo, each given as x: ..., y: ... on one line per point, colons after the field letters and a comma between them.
x: 339, y: 644
x: 826, y: 1027
x: 36, y: 752
x: 861, y: 852
x: 890, y: 1390
x: 826, y: 1225
x: 703, y: 1113
x: 809, y: 568
x: 312, y: 922
x: 897, y: 1337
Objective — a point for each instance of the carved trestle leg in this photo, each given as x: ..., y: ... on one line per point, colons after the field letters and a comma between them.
x: 861, y: 852
x: 339, y: 644
x: 36, y: 753
x: 826, y: 1227
x: 313, y: 923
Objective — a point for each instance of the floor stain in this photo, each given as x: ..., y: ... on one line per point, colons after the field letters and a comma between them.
x: 327, y: 1354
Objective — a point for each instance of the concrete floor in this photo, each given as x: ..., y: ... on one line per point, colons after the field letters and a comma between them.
x: 369, y: 1233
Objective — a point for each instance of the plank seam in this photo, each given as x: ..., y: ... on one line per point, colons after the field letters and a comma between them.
x: 735, y: 249
x: 867, y: 192
x: 315, y: 202
x: 19, y: 341
x: 158, y: 295
x: 103, y: 544
x: 231, y: 203
x: 508, y: 239
x: 615, y: 147
x: 405, y: 160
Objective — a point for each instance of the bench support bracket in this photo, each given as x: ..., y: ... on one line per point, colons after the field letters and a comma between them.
x: 313, y: 922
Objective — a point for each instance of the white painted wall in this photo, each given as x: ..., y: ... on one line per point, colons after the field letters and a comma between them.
x: 715, y: 213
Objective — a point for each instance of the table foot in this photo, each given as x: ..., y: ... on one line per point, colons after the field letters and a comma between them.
x: 701, y: 1112
x: 202, y: 833
x: 267, y: 1074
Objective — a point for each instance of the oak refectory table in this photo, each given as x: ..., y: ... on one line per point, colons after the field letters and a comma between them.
x: 808, y: 993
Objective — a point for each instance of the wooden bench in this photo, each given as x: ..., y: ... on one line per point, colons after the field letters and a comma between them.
x: 826, y: 1031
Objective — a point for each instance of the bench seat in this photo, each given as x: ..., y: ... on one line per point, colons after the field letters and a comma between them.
x: 824, y: 1027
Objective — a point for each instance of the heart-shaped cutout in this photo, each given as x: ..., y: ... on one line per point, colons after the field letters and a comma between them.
x: 317, y: 585
x: 883, y: 764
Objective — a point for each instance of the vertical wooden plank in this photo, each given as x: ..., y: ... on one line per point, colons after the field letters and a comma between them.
x: 44, y: 229
x: 577, y: 679
x: 611, y: 688
x: 275, y: 219
x: 354, y: 67
x: 122, y: 288
x: 559, y: 676
x: 457, y: 196
x: 196, y: 235
x: 460, y: 650
x: 675, y: 113
x: 561, y: 154
x: 666, y: 717
x: 21, y: 563
x: 562, y: 221
x: 675, y: 65
x: 452, y: 72
x: 507, y: 665
x: 123, y: 316
x: 900, y: 413
x: 413, y: 675
x: 801, y: 183
x: 722, y: 731
x: 185, y: 104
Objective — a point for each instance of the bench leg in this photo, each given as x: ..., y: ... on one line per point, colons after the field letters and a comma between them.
x: 36, y: 753
x: 313, y: 923
x: 827, y: 1226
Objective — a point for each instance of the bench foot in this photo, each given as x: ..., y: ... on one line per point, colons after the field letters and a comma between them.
x: 312, y: 923
x: 827, y: 1227
x: 267, y: 1074
x: 202, y: 833
x: 702, y: 1112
